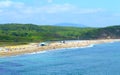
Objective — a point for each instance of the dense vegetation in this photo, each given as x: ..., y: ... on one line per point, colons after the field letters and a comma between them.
x: 35, y: 33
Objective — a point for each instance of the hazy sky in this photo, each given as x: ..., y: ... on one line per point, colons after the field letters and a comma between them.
x: 87, y: 12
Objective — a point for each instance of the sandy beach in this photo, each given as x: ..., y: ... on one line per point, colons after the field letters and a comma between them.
x: 34, y: 47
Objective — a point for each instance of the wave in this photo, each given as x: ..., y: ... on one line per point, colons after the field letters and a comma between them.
x: 37, y: 52
x: 92, y: 45
x: 115, y: 41
x: 89, y: 46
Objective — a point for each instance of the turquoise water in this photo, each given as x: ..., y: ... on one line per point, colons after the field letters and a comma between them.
x: 103, y: 59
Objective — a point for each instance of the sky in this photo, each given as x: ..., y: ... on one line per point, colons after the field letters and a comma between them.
x: 94, y: 13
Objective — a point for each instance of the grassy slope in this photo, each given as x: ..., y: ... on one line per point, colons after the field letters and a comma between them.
x: 25, y: 33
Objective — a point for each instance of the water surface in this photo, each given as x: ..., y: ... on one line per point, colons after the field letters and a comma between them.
x: 103, y: 59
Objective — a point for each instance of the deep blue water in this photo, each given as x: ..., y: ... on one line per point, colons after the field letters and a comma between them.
x: 103, y: 59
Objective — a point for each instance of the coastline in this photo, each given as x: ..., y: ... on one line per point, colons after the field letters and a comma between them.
x: 34, y: 48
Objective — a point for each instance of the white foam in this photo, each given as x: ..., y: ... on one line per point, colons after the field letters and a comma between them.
x: 55, y: 50
x: 36, y: 52
x: 115, y: 41
x: 92, y: 45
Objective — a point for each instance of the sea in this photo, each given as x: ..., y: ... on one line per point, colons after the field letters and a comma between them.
x: 99, y: 59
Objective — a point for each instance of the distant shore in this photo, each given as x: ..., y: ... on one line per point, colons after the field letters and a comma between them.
x: 35, y: 47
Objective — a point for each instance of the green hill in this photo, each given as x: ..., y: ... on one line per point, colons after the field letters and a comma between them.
x: 35, y: 33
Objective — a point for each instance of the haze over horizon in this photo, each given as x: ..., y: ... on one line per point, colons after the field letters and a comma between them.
x: 92, y: 13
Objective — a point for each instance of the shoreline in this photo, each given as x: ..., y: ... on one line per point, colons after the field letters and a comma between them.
x: 34, y: 48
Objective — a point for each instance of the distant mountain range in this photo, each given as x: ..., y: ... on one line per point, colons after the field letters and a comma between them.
x: 71, y: 25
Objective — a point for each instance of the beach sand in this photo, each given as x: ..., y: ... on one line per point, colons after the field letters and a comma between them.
x: 23, y: 49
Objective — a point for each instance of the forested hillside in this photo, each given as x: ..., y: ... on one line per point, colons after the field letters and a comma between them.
x: 36, y: 33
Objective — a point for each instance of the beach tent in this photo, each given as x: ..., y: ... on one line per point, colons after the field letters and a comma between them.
x: 43, y: 44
